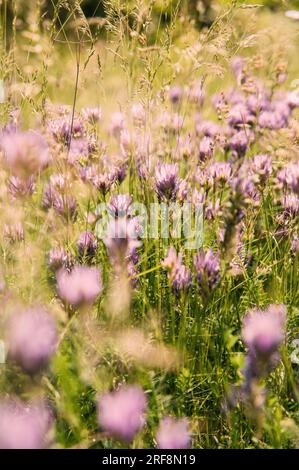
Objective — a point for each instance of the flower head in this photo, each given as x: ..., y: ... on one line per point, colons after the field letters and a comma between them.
x: 80, y: 286
x: 23, y: 425
x: 173, y: 434
x: 32, y: 338
x: 121, y: 413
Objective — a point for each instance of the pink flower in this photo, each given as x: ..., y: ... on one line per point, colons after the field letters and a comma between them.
x: 23, y: 425
x: 81, y: 286
x: 173, y: 434
x: 25, y: 153
x: 263, y: 331
x: 121, y: 413
x: 32, y: 338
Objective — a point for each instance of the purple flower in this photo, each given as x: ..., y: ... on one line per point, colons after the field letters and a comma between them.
x: 173, y: 434
x: 179, y: 275
x: 119, y: 204
x: 121, y: 413
x: 289, y: 177
x: 20, y: 187
x: 23, y: 425
x: 206, y: 148
x: 207, y: 269
x: 32, y: 338
x: 57, y: 195
x: 59, y: 258
x: 121, y: 240
x: 87, y: 244
x: 264, y: 331
x: 92, y: 115
x: 25, y: 153
x: 14, y: 232
x: 79, y: 287
x: 239, y: 142
x: 262, y: 165
x: 175, y: 94
x: 167, y: 180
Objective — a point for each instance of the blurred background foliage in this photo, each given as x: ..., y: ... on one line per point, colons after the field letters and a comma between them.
x: 203, y: 11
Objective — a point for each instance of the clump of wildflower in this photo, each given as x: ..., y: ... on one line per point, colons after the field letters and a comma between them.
x: 87, y: 244
x: 32, y: 338
x: 122, y: 413
x: 23, y: 425
x: 79, y: 287
x: 178, y: 274
x: 173, y: 434
x: 25, y: 153
x: 207, y: 269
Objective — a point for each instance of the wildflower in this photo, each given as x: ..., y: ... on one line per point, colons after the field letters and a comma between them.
x: 87, y: 243
x: 23, y: 425
x: 117, y: 123
x: 81, y: 286
x: 175, y: 94
x: 25, y: 153
x: 239, y: 143
x: 262, y: 165
x: 119, y: 204
x: 121, y: 413
x: 121, y: 239
x: 18, y: 187
x: 59, y: 258
x: 92, y: 115
x: 206, y: 147
x: 263, y: 333
x: 173, y: 434
x: 32, y: 338
x: 14, y: 232
x: 179, y: 274
x: 207, y: 269
x: 166, y: 179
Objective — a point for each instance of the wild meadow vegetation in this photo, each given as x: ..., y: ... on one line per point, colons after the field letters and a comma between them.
x: 149, y: 203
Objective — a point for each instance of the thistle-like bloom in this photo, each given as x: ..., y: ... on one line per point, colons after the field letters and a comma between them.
x: 167, y: 180
x: 87, y: 244
x: 239, y: 142
x: 122, y: 241
x: 92, y: 114
x: 32, y: 338
x: 173, y: 434
x: 262, y: 165
x: 175, y: 94
x: 119, y: 204
x: 25, y: 153
x: 206, y: 148
x: 263, y: 332
x: 18, y: 187
x: 178, y: 274
x: 59, y: 258
x: 289, y: 177
x: 207, y: 269
x: 81, y: 286
x: 122, y: 413
x: 14, y: 232
x: 57, y: 195
x: 23, y: 425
